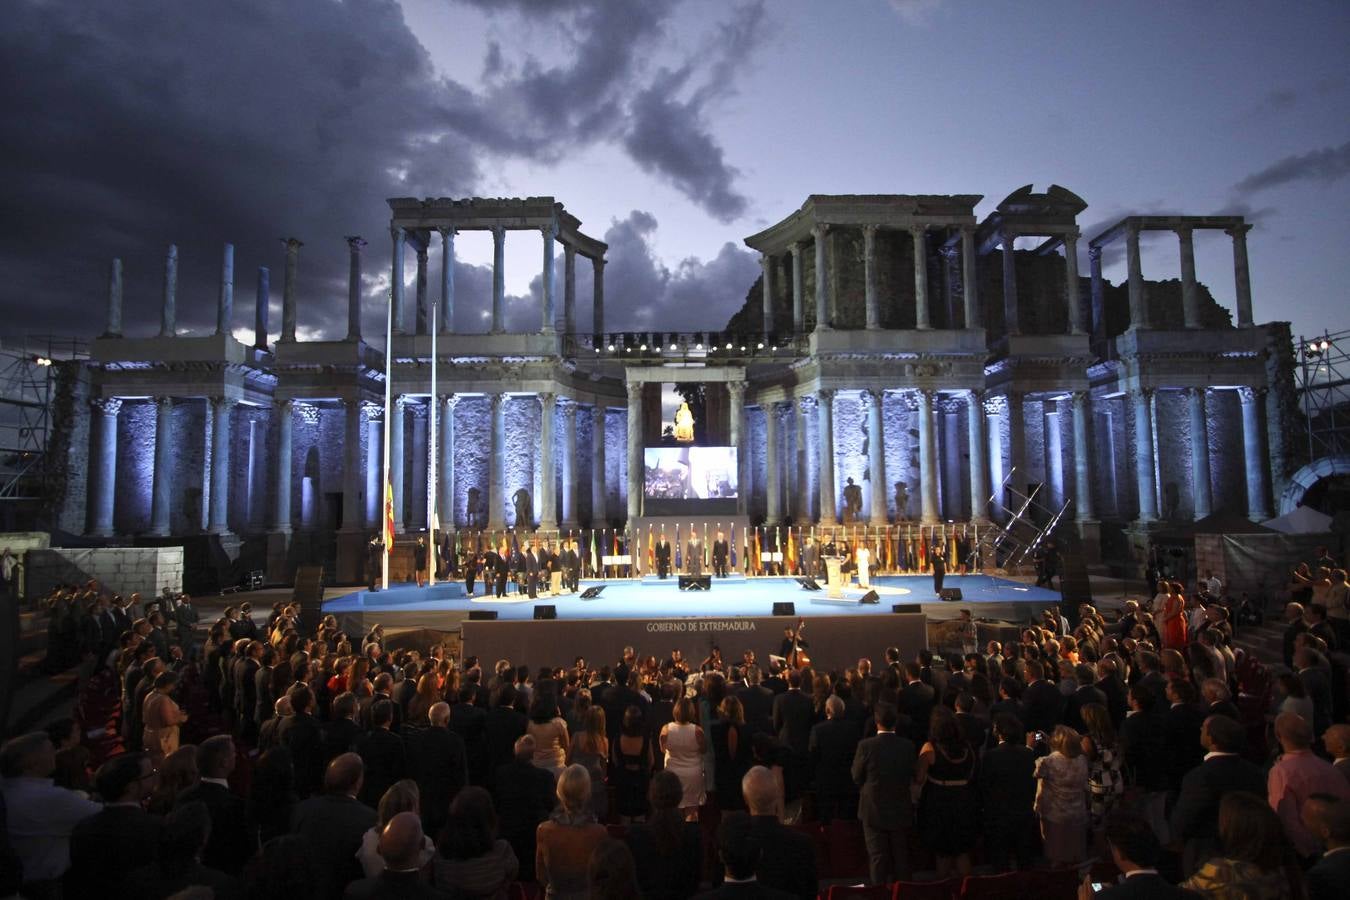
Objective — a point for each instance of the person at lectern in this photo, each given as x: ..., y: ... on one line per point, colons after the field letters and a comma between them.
x: 694, y: 557
x: 721, y: 552
x: 662, y: 557
x: 939, y: 572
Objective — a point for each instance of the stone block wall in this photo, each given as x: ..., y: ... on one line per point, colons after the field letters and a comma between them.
x: 69, y: 448
x: 901, y: 434
x: 473, y: 444
x: 187, y: 461
x: 522, y: 446
x: 585, y: 467
x: 119, y: 569
x: 1227, y: 462
x: 135, y: 466
x: 616, y: 464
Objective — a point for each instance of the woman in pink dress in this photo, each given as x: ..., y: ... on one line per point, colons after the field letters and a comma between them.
x: 1173, y: 630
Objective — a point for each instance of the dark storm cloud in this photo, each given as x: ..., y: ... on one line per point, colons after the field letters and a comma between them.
x: 1325, y: 165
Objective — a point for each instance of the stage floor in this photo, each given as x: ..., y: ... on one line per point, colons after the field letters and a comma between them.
x: 987, y: 596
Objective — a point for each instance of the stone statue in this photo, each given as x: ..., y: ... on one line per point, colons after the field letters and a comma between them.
x: 684, y: 424
x: 474, y: 508
x: 524, y: 508
x: 1171, y: 501
x: 853, y: 502
x: 901, y: 501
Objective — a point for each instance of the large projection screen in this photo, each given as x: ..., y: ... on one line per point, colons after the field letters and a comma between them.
x: 690, y: 479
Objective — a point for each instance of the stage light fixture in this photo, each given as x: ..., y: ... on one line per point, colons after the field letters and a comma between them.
x: 759, y: 346
x: 728, y: 345
x: 627, y: 349
x: 611, y: 348
x: 42, y: 361
x: 698, y: 346
x: 672, y: 346
x: 742, y: 348
x: 775, y: 348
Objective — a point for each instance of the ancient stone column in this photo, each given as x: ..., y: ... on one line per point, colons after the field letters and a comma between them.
x: 922, y: 314
x: 374, y: 446
x: 1145, y: 482
x: 497, y: 466
x: 549, y: 233
x: 822, y: 280
x: 871, y: 305
x: 978, y: 450
x: 114, y: 328
x: 1200, y: 486
x: 1243, y: 277
x: 996, y: 407
x: 1082, y: 459
x: 445, y: 468
x: 634, y: 451
x: 221, y: 410
x: 447, y: 316
x: 598, y: 498
x: 970, y: 288
x: 737, y: 433
x: 569, y: 465
x: 1253, y: 451
x: 1010, y: 319
x: 354, y: 245
x: 949, y: 456
x: 261, y: 308
x: 1098, y: 293
x: 766, y: 279
x: 1071, y: 296
x: 353, y: 514
x: 928, y: 477
x: 1138, y: 301
x: 105, y: 465
x: 281, y: 514
x: 598, y: 295
x: 1017, y: 442
x: 169, y: 312
x: 288, y: 314
x: 803, y: 408
x: 422, y: 247
x: 1190, y: 292
x: 225, y: 302
x: 396, y: 479
x: 876, y: 455
x: 798, y: 289
x: 498, y: 280
x: 773, y: 491
x: 399, y: 237
x: 161, y: 496
x: 569, y: 323
x: 548, y: 480
x: 417, y: 503
x: 1053, y: 449
x: 829, y: 508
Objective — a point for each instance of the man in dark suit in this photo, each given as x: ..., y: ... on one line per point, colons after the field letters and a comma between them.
x: 832, y: 746
x: 1135, y: 851
x: 883, y: 768
x: 341, y: 734
x: 662, y: 557
x: 1195, y: 815
x: 916, y: 702
x: 793, y: 715
x: 532, y: 569
x: 467, y: 720
x: 787, y: 859
x: 400, y: 847
x: 502, y: 726
x: 233, y: 841
x: 756, y: 701
x: 120, y: 838
x: 1181, y: 732
x: 524, y: 797
x: 721, y: 552
x: 939, y: 572
x: 498, y: 567
x: 973, y: 727
x: 333, y: 824
x: 693, y: 557
x: 382, y: 753
x: 1111, y: 686
x: 300, y: 734
x: 1328, y: 819
x: 740, y: 852
x: 1008, y: 791
x: 181, y: 842
x: 1086, y: 692
x: 437, y: 760
x: 246, y: 691
x: 1042, y: 702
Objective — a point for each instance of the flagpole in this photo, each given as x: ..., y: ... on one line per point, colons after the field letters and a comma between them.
x: 388, y: 415
x: 432, y: 523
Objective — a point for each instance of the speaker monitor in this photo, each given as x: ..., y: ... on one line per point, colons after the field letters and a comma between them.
x: 592, y: 592
x: 907, y: 607
x: 950, y: 594
x: 482, y: 615
x: 870, y: 597
x: 785, y: 609
x: 695, y: 582
x: 546, y: 611
x: 809, y: 584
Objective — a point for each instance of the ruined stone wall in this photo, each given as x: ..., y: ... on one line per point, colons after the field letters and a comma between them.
x: 473, y: 443
x: 1227, y: 462
x: 901, y: 435
x: 522, y: 445
x: 616, y: 464
x: 135, y: 466
x: 69, y: 450
x: 756, y: 443
x: 585, y: 467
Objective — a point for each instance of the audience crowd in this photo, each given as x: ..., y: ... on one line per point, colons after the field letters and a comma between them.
x: 261, y: 759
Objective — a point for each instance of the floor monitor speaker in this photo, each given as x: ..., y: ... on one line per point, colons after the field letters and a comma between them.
x: 809, y: 584
x: 482, y: 615
x: 785, y: 609
x: 870, y: 597
x: 695, y: 582
x: 906, y: 607
x: 950, y: 594
x: 546, y: 611
x: 592, y: 592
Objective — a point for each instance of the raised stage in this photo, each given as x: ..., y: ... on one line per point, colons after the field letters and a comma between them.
x: 656, y: 616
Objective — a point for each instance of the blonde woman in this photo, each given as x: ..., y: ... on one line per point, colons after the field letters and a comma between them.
x: 1061, y: 797
x: 564, y: 843
x: 684, y: 745
x: 590, y: 748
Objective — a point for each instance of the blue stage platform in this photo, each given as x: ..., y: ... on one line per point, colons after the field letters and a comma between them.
x: 987, y: 596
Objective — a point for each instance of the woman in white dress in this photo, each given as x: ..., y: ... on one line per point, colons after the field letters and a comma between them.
x: 684, y: 745
x: 864, y: 559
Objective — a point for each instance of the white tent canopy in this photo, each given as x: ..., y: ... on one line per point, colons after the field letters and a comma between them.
x: 1301, y: 520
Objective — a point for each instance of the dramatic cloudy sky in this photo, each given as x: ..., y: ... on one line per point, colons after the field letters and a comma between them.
x: 672, y: 128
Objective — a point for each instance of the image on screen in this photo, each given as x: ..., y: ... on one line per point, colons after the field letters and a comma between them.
x: 690, y: 473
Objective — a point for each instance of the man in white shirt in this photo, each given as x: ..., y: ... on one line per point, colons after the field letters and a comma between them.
x: 41, y: 815
x: 1213, y: 585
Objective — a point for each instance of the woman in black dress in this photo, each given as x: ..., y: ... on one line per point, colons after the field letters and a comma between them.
x: 731, y: 750
x: 948, y: 812
x: 632, y: 766
x: 419, y: 560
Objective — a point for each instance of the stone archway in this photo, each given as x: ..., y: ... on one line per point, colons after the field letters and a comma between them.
x: 1305, y: 478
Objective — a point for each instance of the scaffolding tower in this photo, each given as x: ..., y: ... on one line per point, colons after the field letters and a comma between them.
x: 1324, y: 392
x: 28, y: 375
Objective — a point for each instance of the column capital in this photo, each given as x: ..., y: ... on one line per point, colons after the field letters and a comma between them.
x: 374, y: 411
x: 1247, y: 394
x: 498, y: 233
x: 1095, y: 253
x: 1007, y: 237
x: 547, y: 398
x: 1140, y: 393
x: 1238, y: 232
x: 737, y: 390
x: 808, y: 404
x: 995, y: 405
x: 825, y: 396
x: 1070, y: 239
x: 293, y: 244
x: 285, y: 404
x: 355, y: 242
x: 452, y: 401
x: 796, y: 248
x: 308, y: 412
x: 598, y: 262
x: 496, y: 400
x: 1185, y: 233
x: 918, y: 229
x: 1080, y: 397
x: 871, y: 397
x: 398, y: 233
x: 568, y: 405
x: 108, y: 406
x: 401, y: 401
x: 819, y: 230
x: 224, y: 403
x: 446, y: 232
x: 549, y: 231
x: 950, y: 404
x: 163, y: 403
x: 634, y: 391
x: 1132, y: 230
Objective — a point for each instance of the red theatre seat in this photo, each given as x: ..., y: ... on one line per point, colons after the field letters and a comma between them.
x: 929, y: 890
x: 862, y: 892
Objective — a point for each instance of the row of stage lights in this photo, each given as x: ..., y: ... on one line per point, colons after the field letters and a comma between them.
x: 655, y: 343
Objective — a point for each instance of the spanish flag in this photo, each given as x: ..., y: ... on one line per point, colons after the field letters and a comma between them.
x: 791, y: 556
x: 758, y: 559
x: 389, y: 516
x: 651, y: 550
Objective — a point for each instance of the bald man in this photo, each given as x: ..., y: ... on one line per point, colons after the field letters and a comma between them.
x: 400, y: 847
x: 788, y: 860
x: 333, y: 823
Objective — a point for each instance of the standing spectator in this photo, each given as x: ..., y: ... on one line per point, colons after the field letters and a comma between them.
x: 300, y: 734
x: 564, y: 843
x: 402, y: 797
x: 1008, y: 792
x: 524, y: 796
x: 667, y: 849
x: 232, y: 841
x: 832, y: 746
x: 272, y: 796
x: 41, y: 815
x: 1106, y: 782
x: 1134, y: 850
x: 883, y: 768
x: 333, y: 824
x: 731, y: 753
x: 788, y: 860
x: 1061, y: 799
x: 402, y: 847
x: 382, y: 752
x: 472, y: 860
x: 549, y: 731
x: 948, y: 815
x: 1296, y: 776
x: 1337, y: 742
x: 177, y: 773
x: 1257, y: 860
x: 612, y: 872
x: 1328, y: 819
x: 590, y: 748
x: 683, y: 745
x: 162, y: 718
x: 632, y: 765
x: 439, y: 763
x: 121, y: 837
x: 1195, y: 816
x: 739, y: 851
x: 177, y: 866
